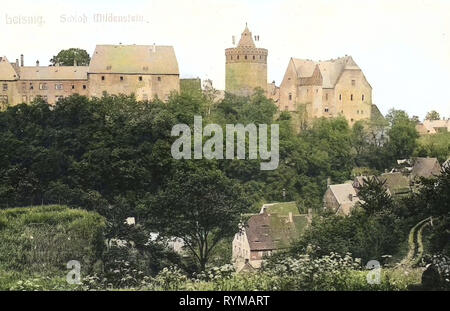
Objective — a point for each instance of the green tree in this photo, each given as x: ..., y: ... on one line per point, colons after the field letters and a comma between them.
x: 198, y: 205
x: 70, y: 56
x: 374, y: 196
x: 402, y: 135
x: 433, y: 115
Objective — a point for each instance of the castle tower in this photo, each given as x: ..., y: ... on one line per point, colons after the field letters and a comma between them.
x: 246, y: 66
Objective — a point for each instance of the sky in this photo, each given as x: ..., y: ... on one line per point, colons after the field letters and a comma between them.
x: 402, y: 46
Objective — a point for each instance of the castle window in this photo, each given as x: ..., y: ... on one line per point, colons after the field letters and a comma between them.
x: 108, y: 67
x: 42, y: 86
x: 231, y: 57
x: 238, y: 57
x: 326, y: 109
x: 245, y: 56
x: 73, y: 86
x: 351, y: 97
x: 362, y: 97
x: 58, y: 86
x: 351, y: 120
x: 5, y: 87
x: 121, y: 78
x: 317, y: 91
x: 31, y: 86
x: 357, y: 111
x: 290, y: 96
x: 4, y: 99
x: 140, y: 78
x: 340, y: 96
x: 103, y: 78
x: 31, y: 98
x: 260, y: 57
x: 353, y: 82
x: 362, y: 111
x: 159, y: 78
x: 84, y: 86
x: 253, y: 57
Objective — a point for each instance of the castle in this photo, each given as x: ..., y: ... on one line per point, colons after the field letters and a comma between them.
x: 316, y: 89
x: 148, y: 71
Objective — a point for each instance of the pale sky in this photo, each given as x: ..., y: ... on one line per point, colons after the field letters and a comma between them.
x: 402, y: 46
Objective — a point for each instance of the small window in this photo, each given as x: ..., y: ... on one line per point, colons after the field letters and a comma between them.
x: 357, y: 111
x: 58, y: 86
x: 326, y: 109
x: 340, y: 96
x: 31, y: 86
x: 42, y: 86
x: 140, y: 78
x: 260, y: 57
x: 231, y: 57
x: 253, y: 57
x: 108, y: 67
x: 362, y: 97
x: 5, y: 87
x: 245, y: 57
x: 73, y: 86
x: 121, y: 78
x: 84, y: 86
x: 103, y: 78
x: 351, y: 120
x: 353, y: 82
x: 317, y: 91
x: 159, y: 78
x: 290, y: 96
x: 351, y: 97
x: 238, y: 57
x: 31, y: 98
x: 362, y: 111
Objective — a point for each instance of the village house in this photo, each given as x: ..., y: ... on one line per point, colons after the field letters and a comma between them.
x: 425, y: 167
x: 273, y: 229
x: 341, y: 198
x: 433, y: 126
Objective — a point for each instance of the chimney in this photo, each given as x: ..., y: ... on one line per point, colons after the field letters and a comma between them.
x: 350, y: 197
x: 290, y: 217
x: 37, y: 63
x: 21, y: 60
x: 328, y: 181
x: 17, y: 62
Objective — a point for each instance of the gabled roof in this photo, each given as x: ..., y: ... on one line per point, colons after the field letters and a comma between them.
x: 425, y: 167
x: 53, y: 73
x: 330, y: 70
x: 7, y: 71
x: 276, y: 227
x: 134, y: 59
x: 342, y: 193
x: 396, y: 183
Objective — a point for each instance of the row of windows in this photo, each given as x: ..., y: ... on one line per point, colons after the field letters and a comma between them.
x: 122, y: 78
x: 342, y: 111
x: 246, y: 57
x: 44, y: 86
x: 340, y: 97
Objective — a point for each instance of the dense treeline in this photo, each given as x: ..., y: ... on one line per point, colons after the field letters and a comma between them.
x: 112, y: 155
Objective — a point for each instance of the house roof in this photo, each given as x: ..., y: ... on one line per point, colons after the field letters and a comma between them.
x: 425, y: 167
x: 134, y: 59
x: 283, y: 208
x: 53, y: 73
x: 375, y: 113
x: 342, y: 191
x: 395, y: 182
x: 272, y: 231
x: 330, y: 70
x: 7, y: 71
x: 433, y: 125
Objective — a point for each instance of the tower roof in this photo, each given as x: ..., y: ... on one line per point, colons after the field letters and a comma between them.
x: 246, y: 38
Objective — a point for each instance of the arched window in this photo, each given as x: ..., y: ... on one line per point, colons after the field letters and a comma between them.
x: 362, y: 97
x: 290, y: 96
x: 351, y: 97
x: 340, y: 96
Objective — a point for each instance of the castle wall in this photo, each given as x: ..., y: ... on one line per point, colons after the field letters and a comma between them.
x: 145, y: 87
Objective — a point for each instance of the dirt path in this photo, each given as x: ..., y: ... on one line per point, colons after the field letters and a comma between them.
x: 415, y: 251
